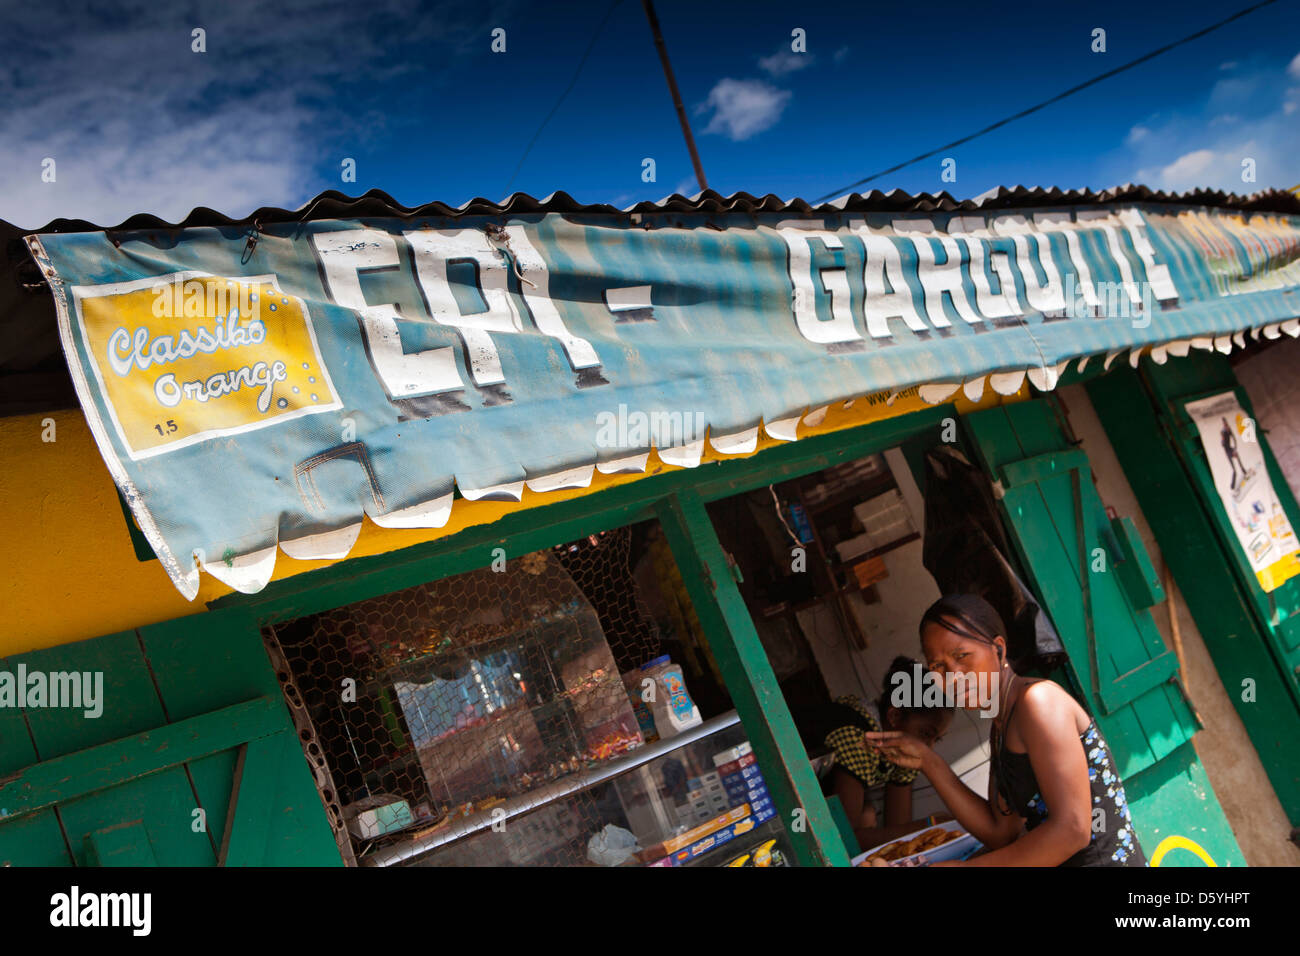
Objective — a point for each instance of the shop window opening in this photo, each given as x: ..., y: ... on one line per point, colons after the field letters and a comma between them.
x: 500, y: 717
x: 836, y: 568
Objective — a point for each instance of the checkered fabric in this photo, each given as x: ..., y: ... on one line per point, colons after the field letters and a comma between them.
x: 851, y: 753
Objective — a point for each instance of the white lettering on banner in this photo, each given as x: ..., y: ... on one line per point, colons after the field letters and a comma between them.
x: 435, y: 250
x: 1101, y: 218
x: 1047, y: 296
x: 1060, y: 222
x: 170, y: 394
x: 125, y: 348
x: 807, y: 274
x: 545, y: 315
x: 344, y: 256
x: 1000, y: 247
x: 888, y: 295
x: 938, y: 278
x: 993, y: 305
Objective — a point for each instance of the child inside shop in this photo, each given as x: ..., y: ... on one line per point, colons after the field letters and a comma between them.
x: 876, y: 793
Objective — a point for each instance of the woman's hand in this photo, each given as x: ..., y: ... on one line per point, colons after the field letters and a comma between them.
x: 949, y: 863
x: 898, y: 747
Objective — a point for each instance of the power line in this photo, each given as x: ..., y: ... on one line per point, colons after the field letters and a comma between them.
x: 676, y: 93
x: 568, y: 89
x: 1060, y: 96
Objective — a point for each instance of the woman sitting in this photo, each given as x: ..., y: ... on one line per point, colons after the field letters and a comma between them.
x: 1054, y: 798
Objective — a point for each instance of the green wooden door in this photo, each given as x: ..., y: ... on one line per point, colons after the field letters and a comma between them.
x: 181, y: 754
x: 1096, y: 581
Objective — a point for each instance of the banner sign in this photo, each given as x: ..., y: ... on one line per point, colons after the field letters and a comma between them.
x: 1242, y: 480
x: 253, y: 394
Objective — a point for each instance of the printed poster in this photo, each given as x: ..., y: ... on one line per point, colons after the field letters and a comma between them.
x: 1242, y: 480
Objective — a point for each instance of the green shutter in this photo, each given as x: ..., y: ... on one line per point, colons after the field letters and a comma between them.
x: 1066, y: 539
x: 192, y: 720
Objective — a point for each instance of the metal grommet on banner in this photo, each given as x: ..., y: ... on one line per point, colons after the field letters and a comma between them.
x: 251, y: 246
x: 497, y: 233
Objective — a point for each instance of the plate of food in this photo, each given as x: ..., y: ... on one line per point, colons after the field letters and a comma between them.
x: 946, y: 841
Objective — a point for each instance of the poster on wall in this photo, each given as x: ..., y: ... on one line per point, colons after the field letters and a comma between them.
x: 1244, y: 487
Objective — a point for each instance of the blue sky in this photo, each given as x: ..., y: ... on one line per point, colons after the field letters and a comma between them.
x: 136, y: 121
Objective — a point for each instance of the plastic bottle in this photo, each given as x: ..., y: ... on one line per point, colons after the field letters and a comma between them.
x: 672, y: 706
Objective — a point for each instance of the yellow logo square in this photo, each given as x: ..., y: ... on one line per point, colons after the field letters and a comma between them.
x: 187, y: 357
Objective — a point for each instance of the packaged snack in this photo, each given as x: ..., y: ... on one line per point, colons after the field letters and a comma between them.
x: 673, y: 709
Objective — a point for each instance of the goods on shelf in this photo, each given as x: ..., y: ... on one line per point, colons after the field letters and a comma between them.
x: 633, y: 681
x: 768, y: 854
x: 377, y: 815
x: 671, y: 703
x: 765, y: 854
x: 741, y: 779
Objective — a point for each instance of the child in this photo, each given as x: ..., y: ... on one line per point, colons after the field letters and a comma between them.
x: 860, y: 773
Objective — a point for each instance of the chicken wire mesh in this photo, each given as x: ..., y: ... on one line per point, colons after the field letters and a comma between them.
x: 452, y: 700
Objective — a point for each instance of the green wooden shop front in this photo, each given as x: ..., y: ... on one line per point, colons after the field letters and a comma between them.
x: 204, y: 767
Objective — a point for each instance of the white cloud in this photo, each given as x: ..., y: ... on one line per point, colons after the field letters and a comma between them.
x: 687, y: 187
x: 785, y: 61
x: 839, y: 55
x: 137, y: 122
x: 1245, y: 117
x: 744, y: 108
x: 1187, y: 171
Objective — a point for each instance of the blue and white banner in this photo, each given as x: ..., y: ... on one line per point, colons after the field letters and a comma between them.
x: 249, y: 396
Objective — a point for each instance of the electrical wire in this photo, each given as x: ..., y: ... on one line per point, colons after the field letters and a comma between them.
x: 1048, y: 102
x: 776, y: 505
x: 567, y: 90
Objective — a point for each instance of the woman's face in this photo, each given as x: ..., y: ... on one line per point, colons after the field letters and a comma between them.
x: 949, y: 653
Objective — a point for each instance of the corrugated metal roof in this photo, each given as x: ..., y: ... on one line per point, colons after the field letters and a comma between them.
x: 376, y: 203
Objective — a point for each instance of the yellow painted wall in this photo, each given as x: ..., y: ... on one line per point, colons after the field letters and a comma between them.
x: 68, y: 570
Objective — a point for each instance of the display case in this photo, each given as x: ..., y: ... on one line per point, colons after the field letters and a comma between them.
x: 482, y: 719
x: 451, y: 698
x: 697, y: 799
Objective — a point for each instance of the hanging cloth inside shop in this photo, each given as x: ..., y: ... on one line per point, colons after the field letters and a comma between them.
x: 966, y: 551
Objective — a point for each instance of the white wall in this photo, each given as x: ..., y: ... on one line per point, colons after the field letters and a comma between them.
x: 891, y: 629
x: 1270, y: 380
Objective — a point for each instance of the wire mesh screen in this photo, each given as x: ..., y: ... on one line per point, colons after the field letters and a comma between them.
x: 446, y: 701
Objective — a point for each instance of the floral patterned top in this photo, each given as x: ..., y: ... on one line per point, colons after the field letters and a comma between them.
x: 1113, y: 840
